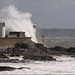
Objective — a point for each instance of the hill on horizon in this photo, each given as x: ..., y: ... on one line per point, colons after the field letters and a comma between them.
x: 56, y: 33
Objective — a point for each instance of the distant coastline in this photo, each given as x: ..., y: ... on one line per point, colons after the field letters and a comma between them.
x: 56, y: 33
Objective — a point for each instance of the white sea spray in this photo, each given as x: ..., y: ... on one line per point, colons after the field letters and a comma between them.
x: 17, y: 21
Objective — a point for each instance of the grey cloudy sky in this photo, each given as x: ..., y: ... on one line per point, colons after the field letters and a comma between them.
x: 47, y: 13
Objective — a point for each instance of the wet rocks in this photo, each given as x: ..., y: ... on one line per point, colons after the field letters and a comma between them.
x: 71, y: 50
x: 9, y: 60
x: 7, y: 68
x: 40, y: 58
x: 58, y: 48
x: 21, y: 49
x: 2, y: 55
x: 39, y: 53
x: 59, y: 51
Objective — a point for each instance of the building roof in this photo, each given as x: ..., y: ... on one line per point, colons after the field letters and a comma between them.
x: 17, y: 32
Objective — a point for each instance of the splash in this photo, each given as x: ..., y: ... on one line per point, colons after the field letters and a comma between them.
x: 17, y: 21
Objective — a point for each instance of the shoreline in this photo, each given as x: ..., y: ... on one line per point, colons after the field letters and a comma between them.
x: 39, y: 53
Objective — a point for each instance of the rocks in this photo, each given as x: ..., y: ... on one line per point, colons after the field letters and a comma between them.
x: 58, y: 48
x: 9, y: 60
x: 21, y: 45
x: 71, y: 50
x: 39, y: 58
x: 2, y: 55
x: 59, y: 51
x: 40, y: 53
x: 7, y: 68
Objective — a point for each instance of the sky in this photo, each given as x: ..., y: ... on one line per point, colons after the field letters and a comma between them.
x: 47, y: 13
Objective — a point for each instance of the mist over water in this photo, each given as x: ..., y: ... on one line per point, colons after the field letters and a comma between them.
x: 17, y: 21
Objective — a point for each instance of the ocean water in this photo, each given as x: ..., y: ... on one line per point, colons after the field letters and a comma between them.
x: 64, y: 42
x: 63, y: 65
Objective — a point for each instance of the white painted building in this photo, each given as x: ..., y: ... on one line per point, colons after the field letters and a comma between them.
x: 2, y: 29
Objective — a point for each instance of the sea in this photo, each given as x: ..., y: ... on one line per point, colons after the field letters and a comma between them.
x: 63, y: 42
x: 64, y: 65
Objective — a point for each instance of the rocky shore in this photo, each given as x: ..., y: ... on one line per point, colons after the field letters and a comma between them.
x: 58, y: 50
x: 23, y: 50
x: 39, y: 53
x: 22, y: 53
